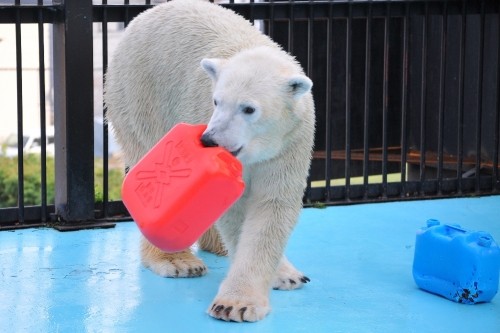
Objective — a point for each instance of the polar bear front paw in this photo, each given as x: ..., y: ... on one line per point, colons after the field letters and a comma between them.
x: 288, y: 277
x: 239, y: 310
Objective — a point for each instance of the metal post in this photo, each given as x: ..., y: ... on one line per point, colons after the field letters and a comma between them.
x: 73, y: 116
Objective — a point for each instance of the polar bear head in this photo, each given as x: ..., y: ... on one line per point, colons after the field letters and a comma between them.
x: 258, y: 101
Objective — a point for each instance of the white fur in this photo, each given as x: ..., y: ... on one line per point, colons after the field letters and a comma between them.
x: 264, y: 112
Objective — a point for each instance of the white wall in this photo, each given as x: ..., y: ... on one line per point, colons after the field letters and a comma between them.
x: 30, y: 78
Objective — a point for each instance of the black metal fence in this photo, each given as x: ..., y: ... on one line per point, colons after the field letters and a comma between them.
x: 406, y: 92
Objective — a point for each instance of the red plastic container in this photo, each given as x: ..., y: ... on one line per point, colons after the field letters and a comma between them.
x: 180, y: 188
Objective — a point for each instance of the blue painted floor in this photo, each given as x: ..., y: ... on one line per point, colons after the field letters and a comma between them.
x: 359, y: 259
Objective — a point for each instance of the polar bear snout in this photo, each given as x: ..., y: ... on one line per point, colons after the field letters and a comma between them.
x: 208, y: 141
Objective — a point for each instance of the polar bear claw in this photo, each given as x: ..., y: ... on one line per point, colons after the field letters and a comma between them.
x: 238, y: 311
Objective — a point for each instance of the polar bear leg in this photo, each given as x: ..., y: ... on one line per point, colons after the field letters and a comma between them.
x: 211, y: 241
x: 288, y: 277
x: 244, y: 294
x: 179, y: 264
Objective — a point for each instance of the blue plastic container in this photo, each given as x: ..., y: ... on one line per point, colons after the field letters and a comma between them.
x: 460, y: 265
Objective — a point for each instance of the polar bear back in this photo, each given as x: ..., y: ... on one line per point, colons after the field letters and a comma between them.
x: 154, y: 79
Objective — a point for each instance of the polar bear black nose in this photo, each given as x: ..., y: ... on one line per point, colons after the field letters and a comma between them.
x: 207, y: 141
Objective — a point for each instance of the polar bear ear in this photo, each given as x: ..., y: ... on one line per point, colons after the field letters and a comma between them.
x: 299, y: 85
x: 212, y: 67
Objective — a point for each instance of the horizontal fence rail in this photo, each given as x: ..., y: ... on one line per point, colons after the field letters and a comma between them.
x: 406, y: 93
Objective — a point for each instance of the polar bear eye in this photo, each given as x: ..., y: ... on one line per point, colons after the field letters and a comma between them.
x: 248, y: 110
x: 215, y: 102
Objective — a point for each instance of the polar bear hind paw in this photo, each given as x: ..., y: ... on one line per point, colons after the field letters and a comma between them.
x: 178, y: 267
x: 179, y: 264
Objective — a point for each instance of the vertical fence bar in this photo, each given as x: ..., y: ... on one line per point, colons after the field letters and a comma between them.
x: 20, y: 141
x: 270, y: 31
x: 291, y: 25
x: 310, y: 74
x: 479, y: 115
x: 366, y: 116
x: 105, y: 150
x: 442, y: 86
x: 127, y: 14
x: 73, y: 105
x: 461, y: 100
x: 43, y: 117
x: 252, y: 12
x: 328, y: 104
x: 495, y: 178
x: 385, y: 101
x: 348, y: 103
x: 423, y: 99
x: 404, y: 100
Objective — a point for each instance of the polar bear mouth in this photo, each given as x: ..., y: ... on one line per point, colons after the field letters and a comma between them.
x: 236, y: 152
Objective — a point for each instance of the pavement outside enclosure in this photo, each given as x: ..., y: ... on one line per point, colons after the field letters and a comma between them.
x: 359, y: 259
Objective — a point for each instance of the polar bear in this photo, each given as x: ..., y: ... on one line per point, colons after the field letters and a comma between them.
x: 196, y: 62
